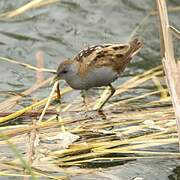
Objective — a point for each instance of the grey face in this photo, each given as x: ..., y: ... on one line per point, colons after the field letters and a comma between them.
x: 62, y: 71
x: 66, y: 70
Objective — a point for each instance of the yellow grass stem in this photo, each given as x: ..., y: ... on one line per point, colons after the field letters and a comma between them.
x: 170, y: 9
x: 29, y: 108
x: 140, y: 25
x: 31, y: 5
x: 171, y: 68
x: 168, y: 99
x: 164, y: 93
x: 11, y: 102
x: 101, y: 159
x: 102, y: 152
x: 134, y: 98
x: 19, y: 156
x: 48, y: 101
x: 27, y: 65
x: 175, y: 31
x: 22, y: 111
x: 134, y: 82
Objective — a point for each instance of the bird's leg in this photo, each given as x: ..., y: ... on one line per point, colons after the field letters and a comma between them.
x: 83, y: 95
x: 58, y: 93
x: 108, y: 97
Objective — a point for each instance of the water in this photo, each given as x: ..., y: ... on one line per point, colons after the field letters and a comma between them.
x: 62, y: 29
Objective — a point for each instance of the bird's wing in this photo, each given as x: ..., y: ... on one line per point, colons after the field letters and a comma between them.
x: 116, y: 56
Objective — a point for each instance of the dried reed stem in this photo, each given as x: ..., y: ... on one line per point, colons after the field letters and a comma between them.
x: 48, y: 101
x: 31, y: 5
x: 170, y: 66
x: 39, y: 64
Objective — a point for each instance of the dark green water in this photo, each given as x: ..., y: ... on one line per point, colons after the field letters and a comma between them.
x: 61, y: 30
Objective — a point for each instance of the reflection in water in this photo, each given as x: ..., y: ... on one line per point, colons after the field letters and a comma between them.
x: 102, y: 114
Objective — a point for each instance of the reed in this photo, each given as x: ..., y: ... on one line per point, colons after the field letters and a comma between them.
x: 171, y: 67
x: 129, y: 129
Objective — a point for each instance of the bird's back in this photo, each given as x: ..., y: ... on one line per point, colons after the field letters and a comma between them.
x: 116, y: 56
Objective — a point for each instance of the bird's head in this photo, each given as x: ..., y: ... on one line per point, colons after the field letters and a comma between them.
x: 65, y: 71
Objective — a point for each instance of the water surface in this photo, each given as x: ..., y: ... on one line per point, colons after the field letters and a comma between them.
x: 61, y: 30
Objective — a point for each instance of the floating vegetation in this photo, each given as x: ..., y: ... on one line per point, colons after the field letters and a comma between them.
x: 126, y: 130
x: 57, y: 140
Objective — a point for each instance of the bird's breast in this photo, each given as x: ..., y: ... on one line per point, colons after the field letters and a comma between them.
x: 95, y: 77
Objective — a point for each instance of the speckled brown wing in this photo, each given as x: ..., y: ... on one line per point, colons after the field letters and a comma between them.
x: 116, y: 56
x: 87, y: 57
x: 88, y: 54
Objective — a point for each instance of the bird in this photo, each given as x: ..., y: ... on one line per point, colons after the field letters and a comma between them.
x: 98, y: 65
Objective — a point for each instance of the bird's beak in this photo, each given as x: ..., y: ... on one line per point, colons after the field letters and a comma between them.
x: 56, y: 78
x: 53, y: 81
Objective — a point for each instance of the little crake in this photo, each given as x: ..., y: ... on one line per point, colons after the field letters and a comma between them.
x: 98, y: 65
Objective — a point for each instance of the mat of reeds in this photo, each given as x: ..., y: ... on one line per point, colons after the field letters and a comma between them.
x: 128, y: 129
x: 57, y: 140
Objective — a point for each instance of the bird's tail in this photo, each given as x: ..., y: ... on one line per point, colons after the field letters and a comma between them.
x: 135, y: 46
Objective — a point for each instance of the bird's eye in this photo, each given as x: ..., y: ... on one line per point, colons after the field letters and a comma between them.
x: 64, y: 71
